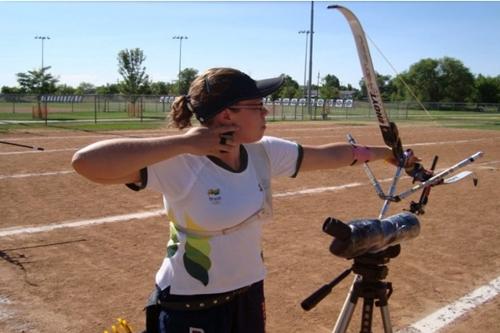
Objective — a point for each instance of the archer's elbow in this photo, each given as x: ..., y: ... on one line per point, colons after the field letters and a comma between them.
x: 94, y: 167
x: 82, y: 164
x: 78, y: 162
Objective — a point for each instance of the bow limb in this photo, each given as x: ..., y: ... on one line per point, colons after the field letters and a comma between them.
x: 388, y: 128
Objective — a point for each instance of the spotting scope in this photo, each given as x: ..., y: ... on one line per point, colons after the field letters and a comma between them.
x: 362, y: 236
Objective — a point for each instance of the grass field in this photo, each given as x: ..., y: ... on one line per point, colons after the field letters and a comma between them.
x: 113, y: 115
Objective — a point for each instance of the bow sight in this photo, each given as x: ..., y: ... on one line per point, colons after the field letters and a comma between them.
x: 427, y: 179
x: 371, y: 243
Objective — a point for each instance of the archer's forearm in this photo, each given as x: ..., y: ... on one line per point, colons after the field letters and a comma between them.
x: 337, y: 155
x: 119, y: 160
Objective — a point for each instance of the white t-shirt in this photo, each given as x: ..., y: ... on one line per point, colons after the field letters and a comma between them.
x: 201, y: 195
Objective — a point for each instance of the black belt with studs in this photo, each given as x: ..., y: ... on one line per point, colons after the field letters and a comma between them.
x: 202, y: 303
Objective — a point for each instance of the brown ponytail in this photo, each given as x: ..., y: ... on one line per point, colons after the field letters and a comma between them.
x: 181, y: 112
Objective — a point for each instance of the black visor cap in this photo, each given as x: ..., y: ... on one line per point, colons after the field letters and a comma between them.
x: 238, y: 88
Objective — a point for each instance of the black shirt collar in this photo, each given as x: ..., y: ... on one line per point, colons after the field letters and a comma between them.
x: 222, y: 164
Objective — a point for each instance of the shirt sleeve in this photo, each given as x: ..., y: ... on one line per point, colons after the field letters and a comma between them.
x: 172, y: 177
x: 285, y: 156
x: 142, y: 183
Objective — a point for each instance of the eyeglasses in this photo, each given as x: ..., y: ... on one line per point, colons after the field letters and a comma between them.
x: 256, y: 107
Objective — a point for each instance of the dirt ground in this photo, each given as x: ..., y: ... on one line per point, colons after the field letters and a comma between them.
x: 81, y: 279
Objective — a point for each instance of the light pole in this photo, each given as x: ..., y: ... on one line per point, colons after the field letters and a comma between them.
x: 310, y: 59
x: 305, y: 62
x: 43, y: 38
x: 180, y: 38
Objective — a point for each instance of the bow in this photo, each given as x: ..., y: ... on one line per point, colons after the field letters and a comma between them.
x: 390, y: 132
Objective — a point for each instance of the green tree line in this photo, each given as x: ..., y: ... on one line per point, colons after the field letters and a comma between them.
x: 429, y: 80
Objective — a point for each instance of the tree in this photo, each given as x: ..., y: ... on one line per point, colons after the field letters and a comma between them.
x: 135, y: 80
x: 330, y: 87
x: 12, y: 94
x: 186, y: 76
x: 289, y: 89
x: 456, y: 80
x: 348, y: 87
x: 487, y: 89
x: 12, y: 90
x: 64, y: 89
x: 384, y: 85
x: 160, y: 88
x: 85, y: 88
x: 37, y: 81
x: 108, y: 89
x: 423, y: 80
x: 432, y: 80
x: 399, y: 91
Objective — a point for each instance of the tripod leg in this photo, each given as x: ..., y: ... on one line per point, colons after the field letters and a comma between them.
x: 383, y: 303
x: 370, y: 293
x: 384, y: 310
x: 348, y: 308
x: 367, y: 315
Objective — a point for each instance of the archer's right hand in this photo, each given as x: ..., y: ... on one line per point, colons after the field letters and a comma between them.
x: 208, y: 140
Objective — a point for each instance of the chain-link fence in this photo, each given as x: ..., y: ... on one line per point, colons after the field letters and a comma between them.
x: 338, y: 109
x: 114, y: 108
x: 18, y: 108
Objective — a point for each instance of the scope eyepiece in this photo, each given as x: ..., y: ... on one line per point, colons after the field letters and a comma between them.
x: 336, y: 228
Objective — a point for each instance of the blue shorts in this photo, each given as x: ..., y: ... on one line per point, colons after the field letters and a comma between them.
x: 245, y: 313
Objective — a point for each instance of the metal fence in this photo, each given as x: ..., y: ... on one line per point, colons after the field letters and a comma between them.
x: 101, y: 108
x: 354, y: 109
x: 83, y: 107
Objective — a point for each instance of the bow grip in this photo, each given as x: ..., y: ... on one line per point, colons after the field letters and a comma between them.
x: 391, y: 138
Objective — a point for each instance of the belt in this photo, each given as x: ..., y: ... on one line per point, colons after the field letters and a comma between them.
x: 202, y: 303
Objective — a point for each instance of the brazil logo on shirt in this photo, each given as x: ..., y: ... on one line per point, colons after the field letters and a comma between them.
x: 214, y: 195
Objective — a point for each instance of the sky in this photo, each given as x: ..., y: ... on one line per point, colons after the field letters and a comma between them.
x: 260, y: 38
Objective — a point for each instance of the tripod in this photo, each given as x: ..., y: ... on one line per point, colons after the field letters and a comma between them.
x: 371, y: 269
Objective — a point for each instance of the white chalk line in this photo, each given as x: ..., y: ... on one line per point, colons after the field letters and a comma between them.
x: 5, y: 312
x: 449, y: 142
x: 449, y: 313
x: 82, y: 223
x: 316, y: 190
x: 26, y: 175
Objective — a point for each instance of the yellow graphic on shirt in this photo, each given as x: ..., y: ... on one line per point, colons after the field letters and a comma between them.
x: 173, y: 243
x: 196, y: 250
x: 197, y: 253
